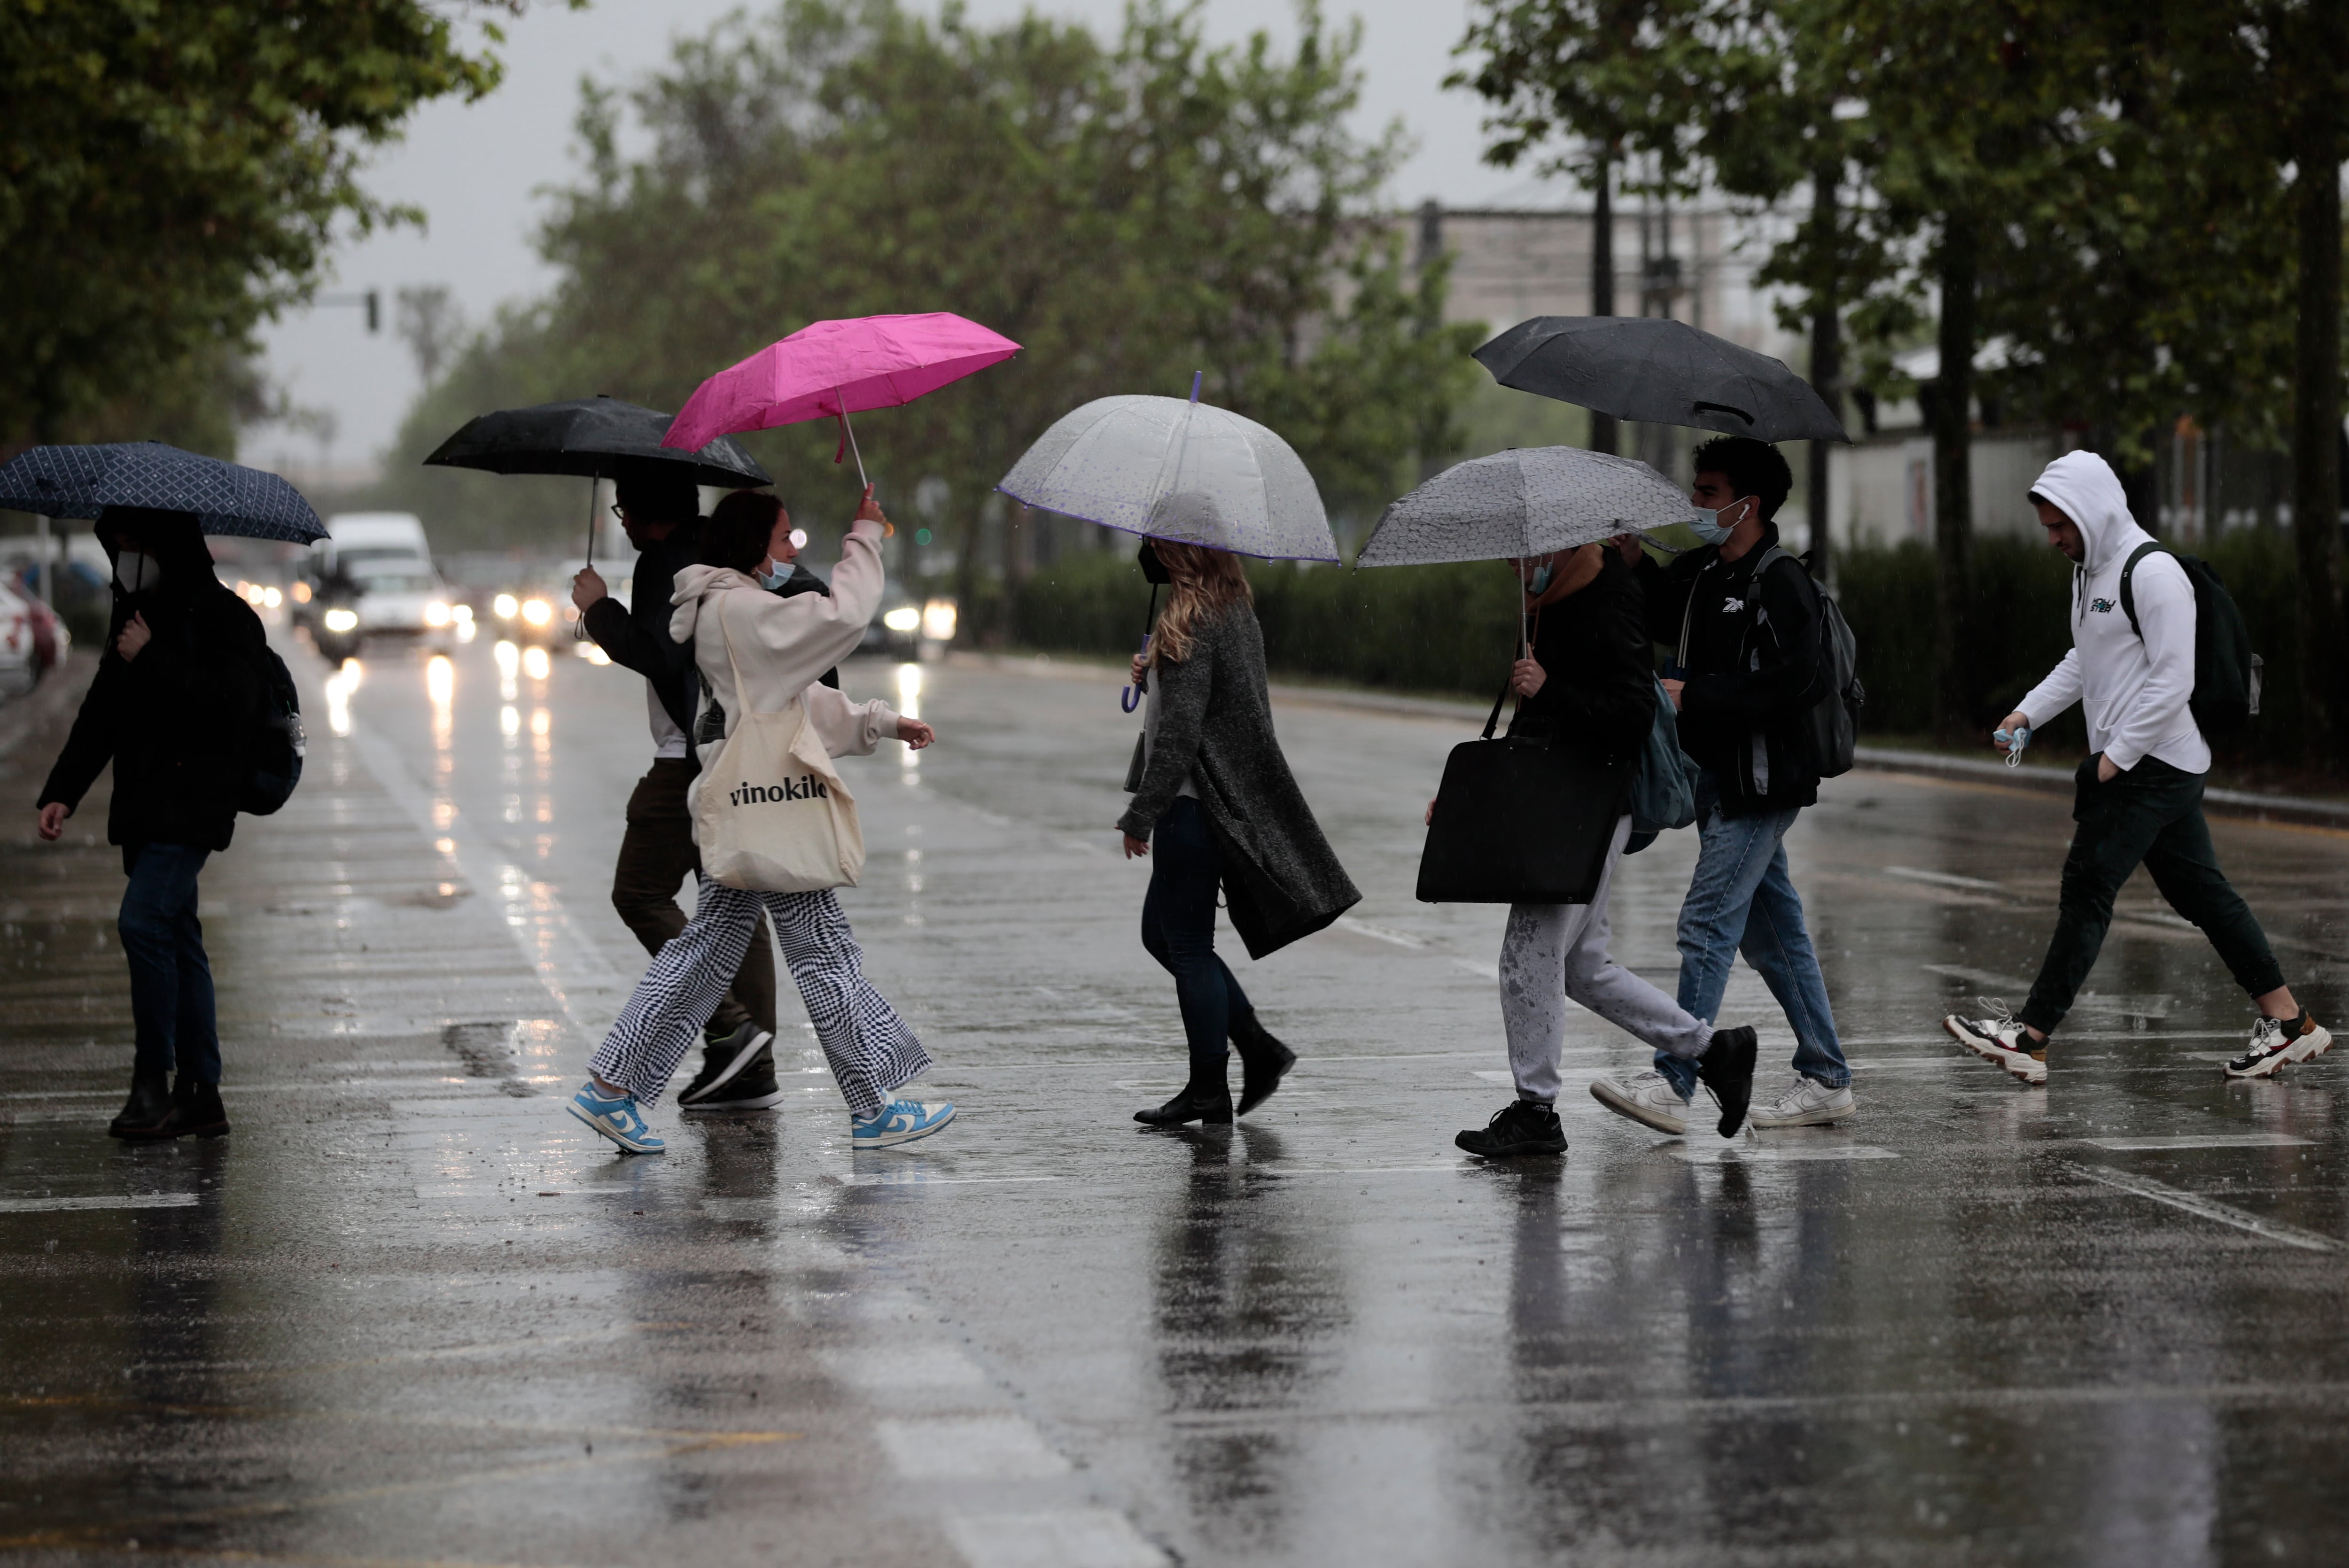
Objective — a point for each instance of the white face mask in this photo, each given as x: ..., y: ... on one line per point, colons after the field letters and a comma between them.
x: 1708, y: 526
x: 136, y: 570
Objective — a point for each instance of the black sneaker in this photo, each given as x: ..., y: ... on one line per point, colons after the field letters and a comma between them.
x: 752, y: 1088
x: 1727, y: 1070
x: 1520, y: 1128
x: 723, y: 1061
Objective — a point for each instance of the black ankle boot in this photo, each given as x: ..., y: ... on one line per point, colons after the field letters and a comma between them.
x: 1727, y: 1068
x: 196, y: 1110
x: 143, y: 1112
x: 1265, y: 1060
x: 1210, y: 1103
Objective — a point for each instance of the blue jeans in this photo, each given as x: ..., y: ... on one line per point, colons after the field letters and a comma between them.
x: 1178, y: 927
x: 171, y: 978
x: 1742, y: 900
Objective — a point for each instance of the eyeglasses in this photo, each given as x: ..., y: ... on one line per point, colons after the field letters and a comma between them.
x: 619, y: 513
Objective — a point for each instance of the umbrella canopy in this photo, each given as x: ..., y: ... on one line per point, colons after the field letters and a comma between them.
x: 1521, y: 503
x: 595, y: 438
x: 227, y: 497
x: 1180, y: 470
x: 1662, y: 373
x: 837, y: 369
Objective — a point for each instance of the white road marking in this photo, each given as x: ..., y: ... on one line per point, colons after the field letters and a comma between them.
x: 133, y: 1201
x: 1943, y: 879
x: 1488, y: 968
x: 2194, y: 1203
x: 1060, y: 1538
x: 916, y: 1176
x: 969, y: 1448
x: 1774, y: 1154
x: 895, y: 1371
x: 2205, y: 1140
x: 1376, y: 933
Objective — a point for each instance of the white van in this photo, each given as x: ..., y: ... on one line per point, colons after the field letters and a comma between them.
x: 386, y: 558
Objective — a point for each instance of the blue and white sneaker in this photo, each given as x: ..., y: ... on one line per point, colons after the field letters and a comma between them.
x: 899, y: 1121
x: 618, y: 1119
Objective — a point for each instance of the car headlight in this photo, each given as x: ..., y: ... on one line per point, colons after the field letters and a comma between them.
x: 938, y: 620
x: 506, y: 605
x: 342, y: 619
x: 463, y: 612
x: 904, y: 618
x: 436, y: 613
x: 272, y: 597
x: 537, y: 612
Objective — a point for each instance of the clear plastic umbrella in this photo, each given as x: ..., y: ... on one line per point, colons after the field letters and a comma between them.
x: 1169, y: 469
x: 1527, y: 502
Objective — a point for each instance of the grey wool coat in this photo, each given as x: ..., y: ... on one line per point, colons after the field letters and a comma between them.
x: 1281, y: 878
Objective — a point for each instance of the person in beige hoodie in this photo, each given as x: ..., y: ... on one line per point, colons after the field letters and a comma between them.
x: 781, y: 648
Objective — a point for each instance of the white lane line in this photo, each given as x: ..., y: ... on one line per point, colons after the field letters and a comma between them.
x: 1060, y: 1538
x: 925, y: 1179
x: 2206, y: 1140
x: 969, y: 1448
x: 1943, y: 879
x: 1766, y: 1154
x: 1486, y: 968
x: 136, y: 1201
x: 1376, y: 933
x: 899, y: 1370
x: 566, y: 963
x: 2193, y: 1203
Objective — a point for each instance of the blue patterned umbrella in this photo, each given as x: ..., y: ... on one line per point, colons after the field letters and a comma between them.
x: 227, y: 497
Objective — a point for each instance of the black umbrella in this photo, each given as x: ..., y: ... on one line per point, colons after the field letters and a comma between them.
x: 227, y: 497
x: 596, y: 439
x: 1659, y: 372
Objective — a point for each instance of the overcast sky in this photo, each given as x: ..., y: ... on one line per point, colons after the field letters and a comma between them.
x: 477, y: 170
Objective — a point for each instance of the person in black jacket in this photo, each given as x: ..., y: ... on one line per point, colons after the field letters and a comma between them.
x: 1747, y: 665
x: 1587, y: 684
x: 662, y: 517
x: 173, y: 707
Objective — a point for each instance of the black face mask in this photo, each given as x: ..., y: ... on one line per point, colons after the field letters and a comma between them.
x: 1152, y: 568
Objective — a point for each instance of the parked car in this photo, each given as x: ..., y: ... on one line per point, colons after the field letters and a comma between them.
x: 33, y: 641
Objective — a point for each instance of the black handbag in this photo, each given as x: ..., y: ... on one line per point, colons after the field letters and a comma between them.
x: 1521, y: 821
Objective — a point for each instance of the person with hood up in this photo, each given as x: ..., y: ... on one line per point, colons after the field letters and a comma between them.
x: 662, y: 517
x: 1587, y: 681
x: 172, y: 707
x: 1748, y: 666
x: 2137, y: 798
x: 780, y: 647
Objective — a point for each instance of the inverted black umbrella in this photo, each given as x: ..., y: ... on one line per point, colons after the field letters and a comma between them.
x: 596, y: 439
x: 227, y: 497
x: 1659, y: 372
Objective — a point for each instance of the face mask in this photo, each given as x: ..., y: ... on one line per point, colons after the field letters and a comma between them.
x: 1540, y: 585
x: 1152, y: 568
x: 1708, y: 526
x: 136, y: 570
x: 777, y: 579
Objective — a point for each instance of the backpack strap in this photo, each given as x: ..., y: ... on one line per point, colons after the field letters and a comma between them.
x: 2128, y: 589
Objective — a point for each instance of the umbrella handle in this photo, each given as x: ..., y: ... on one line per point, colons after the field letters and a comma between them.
x: 1130, y: 698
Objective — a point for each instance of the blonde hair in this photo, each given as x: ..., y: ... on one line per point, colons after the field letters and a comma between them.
x: 1205, y: 581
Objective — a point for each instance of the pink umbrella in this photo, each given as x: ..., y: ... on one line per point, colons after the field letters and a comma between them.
x: 831, y: 370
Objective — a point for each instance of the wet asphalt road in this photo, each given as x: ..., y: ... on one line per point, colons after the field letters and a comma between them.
x: 410, y: 1312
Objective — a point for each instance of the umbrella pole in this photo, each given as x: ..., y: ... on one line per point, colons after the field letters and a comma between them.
x: 850, y: 431
x: 593, y: 480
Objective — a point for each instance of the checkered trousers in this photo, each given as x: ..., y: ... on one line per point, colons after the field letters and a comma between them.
x: 870, y: 1050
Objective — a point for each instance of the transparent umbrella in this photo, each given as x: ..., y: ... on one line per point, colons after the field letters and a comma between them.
x: 1526, y: 502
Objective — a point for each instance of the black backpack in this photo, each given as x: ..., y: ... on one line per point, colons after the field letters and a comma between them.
x: 1830, y: 730
x: 278, y: 740
x: 2226, y: 673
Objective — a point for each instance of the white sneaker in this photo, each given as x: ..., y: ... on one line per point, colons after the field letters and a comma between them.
x: 1650, y: 1097
x: 2277, y: 1043
x: 2002, y: 1038
x: 1805, y: 1102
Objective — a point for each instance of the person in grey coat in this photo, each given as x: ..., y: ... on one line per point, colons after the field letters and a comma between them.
x: 1218, y: 804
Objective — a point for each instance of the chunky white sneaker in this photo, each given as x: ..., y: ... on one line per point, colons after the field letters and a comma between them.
x: 1648, y: 1097
x: 1805, y: 1102
x: 2002, y: 1038
x: 2277, y: 1043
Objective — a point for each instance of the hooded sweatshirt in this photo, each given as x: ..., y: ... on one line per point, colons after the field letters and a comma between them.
x: 783, y: 645
x: 2133, y: 690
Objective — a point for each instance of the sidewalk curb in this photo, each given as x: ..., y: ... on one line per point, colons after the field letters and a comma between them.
x: 2291, y: 809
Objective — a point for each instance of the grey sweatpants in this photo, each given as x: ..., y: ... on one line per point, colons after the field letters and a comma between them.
x: 1555, y: 951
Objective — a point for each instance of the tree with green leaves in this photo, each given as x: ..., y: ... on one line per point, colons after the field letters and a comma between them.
x: 1129, y: 212
x: 173, y: 174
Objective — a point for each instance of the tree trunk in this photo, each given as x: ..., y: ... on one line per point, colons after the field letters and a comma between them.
x: 1603, y: 438
x: 1826, y: 363
x: 1952, y: 408
x: 2316, y: 404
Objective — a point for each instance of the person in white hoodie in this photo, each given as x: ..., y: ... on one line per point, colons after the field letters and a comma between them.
x: 781, y: 648
x: 2138, y: 796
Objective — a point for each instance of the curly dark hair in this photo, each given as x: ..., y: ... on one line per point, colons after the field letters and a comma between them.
x: 1752, y: 468
x: 738, y: 529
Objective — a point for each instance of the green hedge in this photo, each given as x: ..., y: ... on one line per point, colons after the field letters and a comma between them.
x: 1449, y: 628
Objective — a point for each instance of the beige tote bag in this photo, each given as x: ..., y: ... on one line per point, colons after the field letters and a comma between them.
x: 770, y: 811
